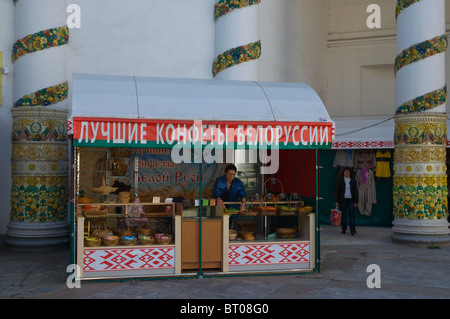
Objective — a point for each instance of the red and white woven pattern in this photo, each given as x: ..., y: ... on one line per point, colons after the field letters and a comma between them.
x: 363, y: 144
x: 268, y: 254
x: 128, y: 259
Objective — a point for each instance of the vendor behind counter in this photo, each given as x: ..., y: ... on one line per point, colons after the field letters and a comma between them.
x: 229, y: 188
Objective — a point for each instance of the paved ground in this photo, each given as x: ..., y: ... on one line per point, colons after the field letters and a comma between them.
x: 405, y: 272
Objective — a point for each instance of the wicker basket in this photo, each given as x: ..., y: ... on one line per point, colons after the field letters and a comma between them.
x: 163, y: 239
x: 286, y: 210
x: 143, y: 229
x: 246, y: 235
x: 145, y: 240
x: 96, y: 213
x: 124, y: 197
x: 126, y: 241
x: 92, y: 242
x: 99, y: 232
x: 110, y: 240
x: 270, y: 198
x: 277, y: 180
x: 286, y: 233
x: 85, y: 200
x: 250, y: 211
x: 104, y: 190
x: 267, y: 210
x: 306, y: 210
x: 126, y: 232
x: 230, y: 212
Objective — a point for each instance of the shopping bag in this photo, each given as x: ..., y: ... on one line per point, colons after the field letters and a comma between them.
x: 335, y: 218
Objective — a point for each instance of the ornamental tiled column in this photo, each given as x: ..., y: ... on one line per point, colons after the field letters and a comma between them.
x: 39, y: 190
x: 420, y: 177
x: 237, y: 45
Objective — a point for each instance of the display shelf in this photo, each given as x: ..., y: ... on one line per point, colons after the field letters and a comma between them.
x: 129, y: 260
x: 127, y: 206
x: 122, y: 246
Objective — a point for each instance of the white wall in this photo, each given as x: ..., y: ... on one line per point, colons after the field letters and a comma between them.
x: 293, y: 36
x: 144, y: 38
x: 6, y: 43
x: 360, y: 61
x: 176, y: 39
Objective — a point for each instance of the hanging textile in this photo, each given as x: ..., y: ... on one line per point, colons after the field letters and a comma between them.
x: 383, y: 169
x: 343, y: 158
x: 364, y: 159
x: 367, y: 195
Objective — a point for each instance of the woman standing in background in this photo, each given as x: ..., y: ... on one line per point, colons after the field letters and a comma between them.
x: 347, y: 200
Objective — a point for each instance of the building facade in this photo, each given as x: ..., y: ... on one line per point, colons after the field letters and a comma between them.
x: 344, y: 49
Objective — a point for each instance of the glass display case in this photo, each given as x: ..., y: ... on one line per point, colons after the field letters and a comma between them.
x: 117, y: 235
x: 114, y: 241
x: 271, y: 237
x: 121, y: 234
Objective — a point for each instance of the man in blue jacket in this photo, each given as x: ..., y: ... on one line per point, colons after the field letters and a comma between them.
x: 230, y: 189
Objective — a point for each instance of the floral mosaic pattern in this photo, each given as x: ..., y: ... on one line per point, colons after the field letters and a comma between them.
x: 39, y: 151
x: 39, y: 198
x: 402, y: 5
x: 420, y: 197
x: 223, y: 7
x: 40, y: 41
x: 424, y: 102
x: 39, y: 130
x: 237, y: 55
x: 40, y: 186
x: 420, y: 154
x: 421, y: 51
x: 416, y: 134
x: 44, y: 97
x: 420, y: 180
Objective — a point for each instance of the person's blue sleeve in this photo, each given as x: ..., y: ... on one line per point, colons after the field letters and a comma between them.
x: 241, y: 190
x: 218, y: 191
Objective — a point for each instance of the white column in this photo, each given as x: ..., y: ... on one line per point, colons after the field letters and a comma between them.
x: 43, y: 68
x: 6, y: 42
x: 234, y: 29
x: 420, y: 177
x: 39, y: 187
x: 422, y: 21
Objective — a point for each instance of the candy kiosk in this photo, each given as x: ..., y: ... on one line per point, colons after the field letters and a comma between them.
x: 145, y: 154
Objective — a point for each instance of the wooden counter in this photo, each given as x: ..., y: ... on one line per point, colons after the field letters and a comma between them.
x: 212, y: 243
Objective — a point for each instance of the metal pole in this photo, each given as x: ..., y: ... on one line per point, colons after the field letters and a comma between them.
x: 72, y: 205
x: 317, y: 215
x: 200, y: 208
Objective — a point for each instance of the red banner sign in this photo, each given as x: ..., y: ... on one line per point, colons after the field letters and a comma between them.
x: 167, y: 133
